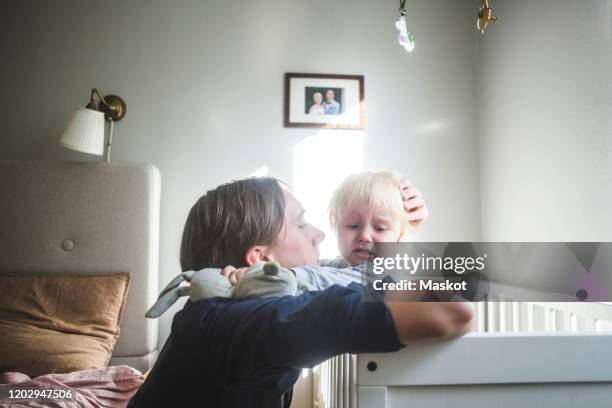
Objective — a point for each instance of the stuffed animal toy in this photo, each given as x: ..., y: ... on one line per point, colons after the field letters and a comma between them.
x: 261, y: 280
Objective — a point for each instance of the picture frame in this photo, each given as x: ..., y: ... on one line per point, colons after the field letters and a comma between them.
x: 324, y: 101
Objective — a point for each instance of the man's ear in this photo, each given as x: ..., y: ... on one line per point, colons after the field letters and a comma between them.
x: 257, y: 253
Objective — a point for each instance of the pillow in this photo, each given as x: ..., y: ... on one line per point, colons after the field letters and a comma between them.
x: 59, y: 324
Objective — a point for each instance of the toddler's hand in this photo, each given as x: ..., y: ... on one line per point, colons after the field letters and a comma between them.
x: 234, y: 275
x: 414, y: 204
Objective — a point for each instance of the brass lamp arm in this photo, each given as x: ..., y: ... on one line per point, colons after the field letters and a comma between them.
x: 94, y: 91
x: 114, y: 107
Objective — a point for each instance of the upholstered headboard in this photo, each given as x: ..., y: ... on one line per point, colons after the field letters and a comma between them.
x: 86, y: 217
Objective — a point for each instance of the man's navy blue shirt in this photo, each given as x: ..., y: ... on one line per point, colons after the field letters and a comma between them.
x: 249, y: 353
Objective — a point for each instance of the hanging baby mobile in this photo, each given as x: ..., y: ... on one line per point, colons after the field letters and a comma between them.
x: 485, y: 16
x: 404, y: 37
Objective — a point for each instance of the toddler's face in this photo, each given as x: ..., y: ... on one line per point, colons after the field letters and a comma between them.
x: 358, y: 230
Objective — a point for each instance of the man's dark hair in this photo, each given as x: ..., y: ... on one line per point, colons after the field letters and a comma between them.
x: 228, y: 220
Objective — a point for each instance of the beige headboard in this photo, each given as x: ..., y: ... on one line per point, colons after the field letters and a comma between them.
x: 87, y: 217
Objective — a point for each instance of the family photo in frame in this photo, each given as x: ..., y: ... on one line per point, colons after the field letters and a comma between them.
x: 324, y: 101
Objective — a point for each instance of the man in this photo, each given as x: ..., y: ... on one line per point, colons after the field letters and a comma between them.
x: 249, y: 353
x: 331, y: 106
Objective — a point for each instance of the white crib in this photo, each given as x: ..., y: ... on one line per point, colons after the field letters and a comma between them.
x: 520, y: 355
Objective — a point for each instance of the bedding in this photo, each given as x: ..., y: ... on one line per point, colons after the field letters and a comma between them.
x: 106, y: 387
x: 59, y: 323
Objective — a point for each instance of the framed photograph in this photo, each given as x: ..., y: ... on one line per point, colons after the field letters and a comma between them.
x: 324, y: 101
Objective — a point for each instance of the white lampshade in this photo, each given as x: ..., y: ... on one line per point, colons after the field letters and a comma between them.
x: 85, y: 132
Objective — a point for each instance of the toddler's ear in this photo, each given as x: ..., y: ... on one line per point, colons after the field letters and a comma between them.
x: 257, y: 253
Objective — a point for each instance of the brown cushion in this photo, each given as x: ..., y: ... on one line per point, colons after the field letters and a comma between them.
x: 59, y: 324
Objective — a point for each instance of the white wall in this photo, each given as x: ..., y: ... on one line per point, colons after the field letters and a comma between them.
x: 545, y: 120
x: 203, y: 82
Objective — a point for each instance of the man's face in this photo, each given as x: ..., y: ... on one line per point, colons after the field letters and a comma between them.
x: 330, y: 95
x: 298, y: 241
x: 358, y: 230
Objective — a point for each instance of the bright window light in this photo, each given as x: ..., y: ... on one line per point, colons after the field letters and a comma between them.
x: 260, y: 172
x: 321, y: 163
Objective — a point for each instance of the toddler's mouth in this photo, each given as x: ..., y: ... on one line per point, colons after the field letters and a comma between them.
x: 364, y: 253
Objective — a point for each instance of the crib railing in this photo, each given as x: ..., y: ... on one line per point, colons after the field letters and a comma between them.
x: 334, y: 381
x: 481, y: 370
x: 542, y: 317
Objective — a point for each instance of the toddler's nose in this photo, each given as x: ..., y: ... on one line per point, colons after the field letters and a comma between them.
x: 364, y: 236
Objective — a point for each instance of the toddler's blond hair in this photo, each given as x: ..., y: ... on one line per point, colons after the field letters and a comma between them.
x: 375, y: 190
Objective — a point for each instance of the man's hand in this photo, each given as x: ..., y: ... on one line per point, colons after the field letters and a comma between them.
x: 414, y: 204
x: 234, y: 275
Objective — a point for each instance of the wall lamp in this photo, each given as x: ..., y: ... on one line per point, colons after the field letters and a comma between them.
x: 85, y: 132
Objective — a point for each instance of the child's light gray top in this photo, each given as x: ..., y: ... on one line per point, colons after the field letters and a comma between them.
x: 322, y: 277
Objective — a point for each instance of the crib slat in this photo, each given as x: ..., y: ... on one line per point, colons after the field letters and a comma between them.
x: 586, y: 324
x: 552, y: 320
x: 530, y: 317
x: 604, y: 326
x: 524, y: 317
x: 539, y: 319
x: 502, y: 324
x: 516, y: 317
x: 334, y: 383
x: 480, y: 316
x: 562, y: 321
x: 492, y: 317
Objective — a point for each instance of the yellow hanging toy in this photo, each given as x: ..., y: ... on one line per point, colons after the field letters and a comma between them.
x: 485, y: 16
